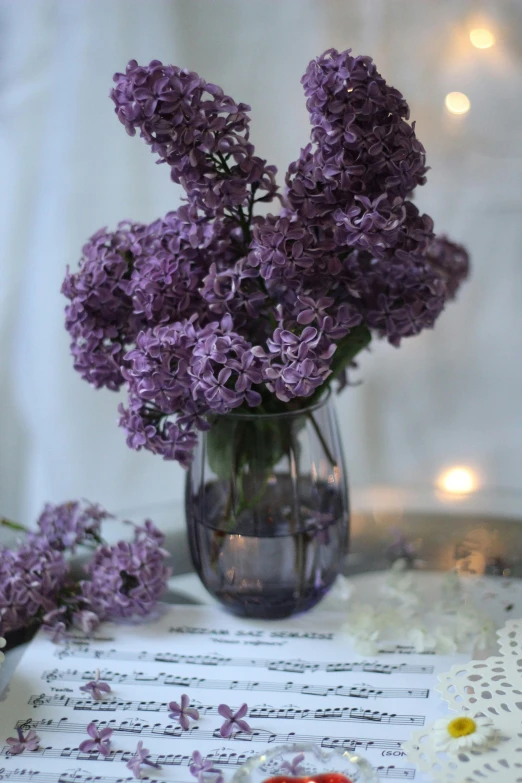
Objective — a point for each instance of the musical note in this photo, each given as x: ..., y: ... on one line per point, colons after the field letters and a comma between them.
x: 361, y: 691
x: 294, y: 666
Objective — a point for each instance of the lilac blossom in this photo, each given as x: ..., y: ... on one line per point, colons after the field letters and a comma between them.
x: 67, y: 525
x: 363, y: 142
x: 86, y: 621
x: 200, y: 767
x: 451, y: 260
x: 55, y: 629
x: 209, y: 310
x: 294, y: 767
x: 299, y: 364
x: 173, y: 256
x: 30, y: 580
x: 233, y: 719
x: 100, y: 318
x: 141, y: 756
x: 183, y: 713
x: 128, y: 578
x: 100, y: 740
x: 96, y: 688
x: 21, y: 743
x: 198, y: 130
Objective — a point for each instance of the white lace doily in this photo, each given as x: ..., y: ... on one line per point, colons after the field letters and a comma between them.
x: 491, y: 688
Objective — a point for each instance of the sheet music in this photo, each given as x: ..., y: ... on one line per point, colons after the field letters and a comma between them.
x: 300, y: 678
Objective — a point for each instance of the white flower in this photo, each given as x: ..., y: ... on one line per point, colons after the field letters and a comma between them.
x: 463, y: 732
x: 400, y: 585
x: 341, y: 590
x: 421, y: 640
x: 365, y: 625
x: 447, y: 641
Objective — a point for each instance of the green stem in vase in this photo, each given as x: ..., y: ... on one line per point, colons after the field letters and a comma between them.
x: 322, y: 441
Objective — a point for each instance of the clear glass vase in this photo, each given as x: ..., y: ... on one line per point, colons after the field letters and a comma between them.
x: 303, y: 762
x: 267, y: 509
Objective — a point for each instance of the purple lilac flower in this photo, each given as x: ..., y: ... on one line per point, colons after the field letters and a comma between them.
x: 141, y: 756
x: 198, y: 130
x: 224, y: 369
x: 203, y: 310
x: 183, y: 713
x: 294, y: 767
x: 30, y: 580
x: 100, y: 740
x: 54, y: 625
x: 363, y: 143
x: 451, y: 261
x: 299, y: 364
x: 233, y: 719
x: 20, y: 743
x: 128, y: 578
x: 174, y: 255
x: 159, y: 367
x: 96, y: 688
x: 148, y: 428
x: 403, y: 300
x: 284, y: 248
x: 100, y: 318
x: 234, y: 290
x: 370, y: 224
x: 86, y: 621
x: 67, y: 525
x: 199, y: 767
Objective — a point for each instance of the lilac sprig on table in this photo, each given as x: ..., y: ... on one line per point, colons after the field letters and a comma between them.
x: 215, y: 308
x: 37, y: 587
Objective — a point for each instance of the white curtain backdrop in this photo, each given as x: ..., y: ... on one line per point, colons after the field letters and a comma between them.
x: 450, y: 396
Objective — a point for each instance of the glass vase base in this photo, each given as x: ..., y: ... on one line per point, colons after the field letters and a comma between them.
x: 273, y: 604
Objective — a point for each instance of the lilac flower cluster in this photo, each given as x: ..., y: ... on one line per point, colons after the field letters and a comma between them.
x: 199, y: 131
x: 30, y: 580
x: 214, y: 308
x: 37, y: 588
x: 68, y: 525
x: 128, y: 578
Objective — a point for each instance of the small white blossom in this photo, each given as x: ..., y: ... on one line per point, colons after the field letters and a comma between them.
x: 341, y: 590
x: 421, y: 640
x: 463, y: 732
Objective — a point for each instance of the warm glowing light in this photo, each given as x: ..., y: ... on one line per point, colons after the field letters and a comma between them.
x: 458, y: 480
x: 482, y: 38
x: 457, y: 103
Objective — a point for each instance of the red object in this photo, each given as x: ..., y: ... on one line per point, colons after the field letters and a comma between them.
x: 324, y: 777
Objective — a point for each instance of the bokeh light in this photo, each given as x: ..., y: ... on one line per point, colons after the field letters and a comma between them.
x: 458, y: 480
x: 482, y: 38
x: 457, y: 103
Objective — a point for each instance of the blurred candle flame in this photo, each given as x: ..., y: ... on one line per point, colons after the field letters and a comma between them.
x: 458, y: 480
x: 457, y: 103
x: 482, y: 38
